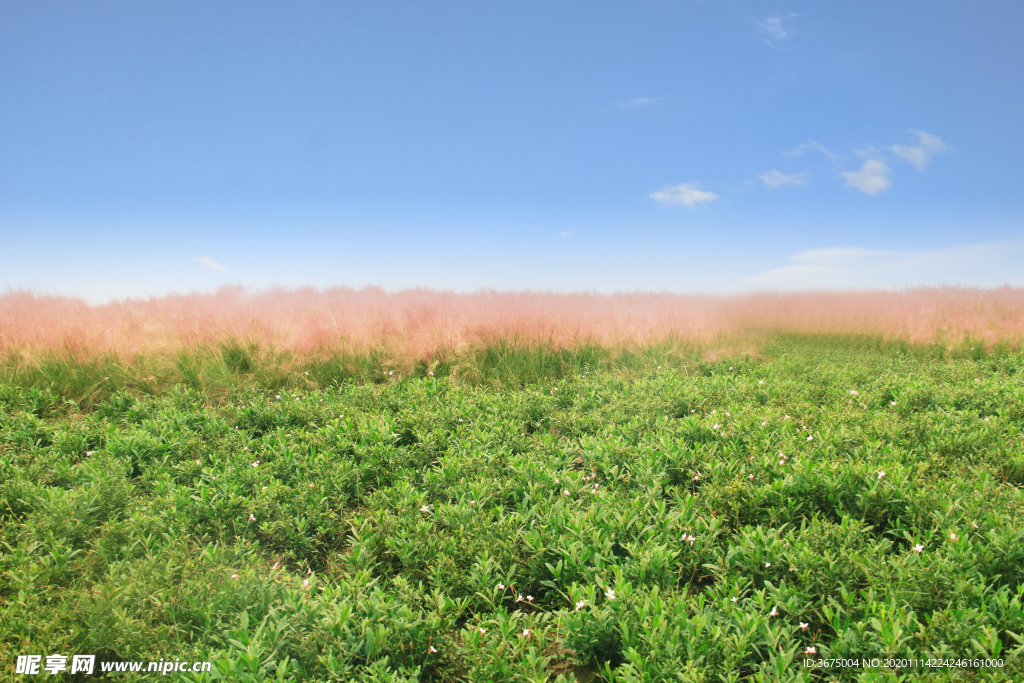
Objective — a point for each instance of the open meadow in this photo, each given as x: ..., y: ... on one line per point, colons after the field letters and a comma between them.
x: 349, y: 485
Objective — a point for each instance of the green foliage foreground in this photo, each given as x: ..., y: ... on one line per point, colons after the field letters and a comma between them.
x: 680, y: 524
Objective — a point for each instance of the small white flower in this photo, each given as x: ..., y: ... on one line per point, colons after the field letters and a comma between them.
x: 610, y: 594
x: 88, y: 453
x: 751, y: 477
x: 952, y: 536
x: 431, y: 374
x: 305, y: 584
x: 715, y: 426
x: 519, y: 598
x: 256, y: 464
x: 774, y: 613
x: 251, y: 518
x: 812, y: 650
x: 234, y: 576
x: 432, y: 647
x: 696, y: 477
x: 483, y: 631
x: 198, y: 463
x: 852, y: 392
x: 767, y: 565
x: 893, y: 403
x: 735, y: 600
x: 918, y: 548
x: 881, y: 473
x: 565, y: 492
x: 276, y: 565
x: 803, y: 626
x: 764, y: 424
x: 529, y: 598
x: 761, y: 382
x: 974, y: 525
x: 526, y: 633
x: 472, y: 501
x: 424, y: 509
x: 501, y: 586
x: 810, y: 438
x: 278, y: 397
x: 580, y: 605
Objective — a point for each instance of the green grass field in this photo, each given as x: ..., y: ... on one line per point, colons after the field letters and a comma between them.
x: 521, y: 516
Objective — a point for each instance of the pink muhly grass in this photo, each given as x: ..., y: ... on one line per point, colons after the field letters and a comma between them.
x: 422, y: 324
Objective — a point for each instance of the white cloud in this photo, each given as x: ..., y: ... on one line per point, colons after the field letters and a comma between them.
x: 813, y: 146
x: 988, y: 264
x: 775, y: 28
x: 775, y: 178
x: 874, y: 174
x: 872, y: 178
x: 686, y: 194
x: 207, y: 262
x: 919, y: 154
x: 638, y: 102
x: 772, y: 26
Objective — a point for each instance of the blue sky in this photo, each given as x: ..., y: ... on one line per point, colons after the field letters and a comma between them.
x: 670, y: 145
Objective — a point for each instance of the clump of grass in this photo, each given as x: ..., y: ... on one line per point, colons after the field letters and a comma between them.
x: 222, y: 370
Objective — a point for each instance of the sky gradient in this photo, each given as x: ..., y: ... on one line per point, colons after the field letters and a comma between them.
x: 668, y: 145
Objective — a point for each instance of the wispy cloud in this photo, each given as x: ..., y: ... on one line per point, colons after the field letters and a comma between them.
x: 776, y: 178
x: 811, y: 146
x: 687, y: 195
x: 874, y: 174
x: 207, y: 262
x: 851, y: 267
x: 920, y: 154
x: 638, y: 102
x: 775, y: 28
x: 872, y: 178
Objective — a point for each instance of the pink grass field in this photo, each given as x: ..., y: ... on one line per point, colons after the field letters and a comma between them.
x: 417, y: 323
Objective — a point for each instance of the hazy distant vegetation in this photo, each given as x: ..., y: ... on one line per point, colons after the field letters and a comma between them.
x: 214, y: 342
